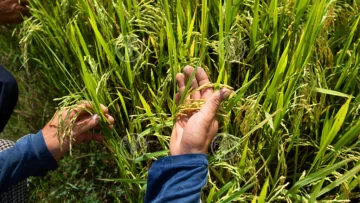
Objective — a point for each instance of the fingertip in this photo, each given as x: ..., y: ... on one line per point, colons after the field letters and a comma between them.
x: 200, y: 70
x: 95, y: 117
x: 195, y: 86
x: 180, y: 78
x: 218, y: 97
x: 23, y: 10
x: 224, y: 93
x: 188, y: 69
x: 84, y: 103
x: 95, y: 120
x: 104, y: 109
x: 110, y: 119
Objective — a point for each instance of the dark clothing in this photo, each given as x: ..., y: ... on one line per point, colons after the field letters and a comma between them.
x: 28, y: 157
x: 177, y: 179
x: 171, y: 179
x: 8, y: 96
x: 16, y: 193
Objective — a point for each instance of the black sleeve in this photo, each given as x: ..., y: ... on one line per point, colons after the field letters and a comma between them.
x: 8, y: 96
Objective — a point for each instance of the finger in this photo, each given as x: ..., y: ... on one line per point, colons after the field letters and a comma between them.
x: 85, y: 125
x: 91, y: 136
x: 188, y: 71
x: 24, y: 3
x: 78, y: 112
x: 23, y: 10
x: 98, y: 128
x: 196, y: 94
x: 180, y: 79
x: 177, y: 97
x: 109, y: 119
x: 87, y: 105
x: 84, y: 109
x: 81, y: 113
x: 182, y: 121
x: 12, y: 18
x: 203, y: 79
x: 97, y: 137
x: 65, y: 115
x: 213, y: 103
x: 194, y: 83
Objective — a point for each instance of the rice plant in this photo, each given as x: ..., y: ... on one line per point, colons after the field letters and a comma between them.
x: 290, y: 130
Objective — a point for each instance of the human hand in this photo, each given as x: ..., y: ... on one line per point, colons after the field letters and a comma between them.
x: 193, y: 133
x: 80, y: 129
x: 12, y: 12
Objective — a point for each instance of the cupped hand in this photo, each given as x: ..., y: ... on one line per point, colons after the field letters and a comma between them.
x: 193, y: 132
x: 83, y: 123
x: 12, y: 11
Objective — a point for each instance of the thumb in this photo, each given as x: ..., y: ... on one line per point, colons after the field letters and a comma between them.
x: 86, y: 124
x: 211, y: 105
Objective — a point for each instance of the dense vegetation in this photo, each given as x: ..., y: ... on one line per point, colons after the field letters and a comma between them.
x: 77, y: 177
x: 291, y: 131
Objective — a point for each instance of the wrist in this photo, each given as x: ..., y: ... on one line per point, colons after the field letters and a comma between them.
x: 185, y: 151
x: 191, y: 149
x: 52, y: 142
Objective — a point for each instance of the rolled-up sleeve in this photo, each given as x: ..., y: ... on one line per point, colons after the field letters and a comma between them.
x: 177, y: 179
x: 28, y: 157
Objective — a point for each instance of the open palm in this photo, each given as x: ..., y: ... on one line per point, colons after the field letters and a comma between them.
x: 193, y: 132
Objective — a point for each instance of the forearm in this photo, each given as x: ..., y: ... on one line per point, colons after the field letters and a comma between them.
x: 177, y: 179
x: 28, y: 157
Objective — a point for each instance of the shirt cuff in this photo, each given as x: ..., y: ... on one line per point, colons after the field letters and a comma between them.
x: 183, y: 160
x: 41, y: 151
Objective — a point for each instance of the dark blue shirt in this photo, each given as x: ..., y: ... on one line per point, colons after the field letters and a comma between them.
x: 171, y: 179
x: 177, y: 179
x: 28, y: 157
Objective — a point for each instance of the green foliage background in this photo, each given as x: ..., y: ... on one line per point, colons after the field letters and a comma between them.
x: 77, y: 178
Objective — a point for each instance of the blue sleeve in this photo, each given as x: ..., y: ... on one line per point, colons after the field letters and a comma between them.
x: 28, y: 157
x: 177, y: 179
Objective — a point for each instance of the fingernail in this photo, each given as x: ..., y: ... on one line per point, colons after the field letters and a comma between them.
x: 227, y: 93
x: 95, y: 117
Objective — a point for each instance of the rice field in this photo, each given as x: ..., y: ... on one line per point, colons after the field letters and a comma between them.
x: 290, y: 131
